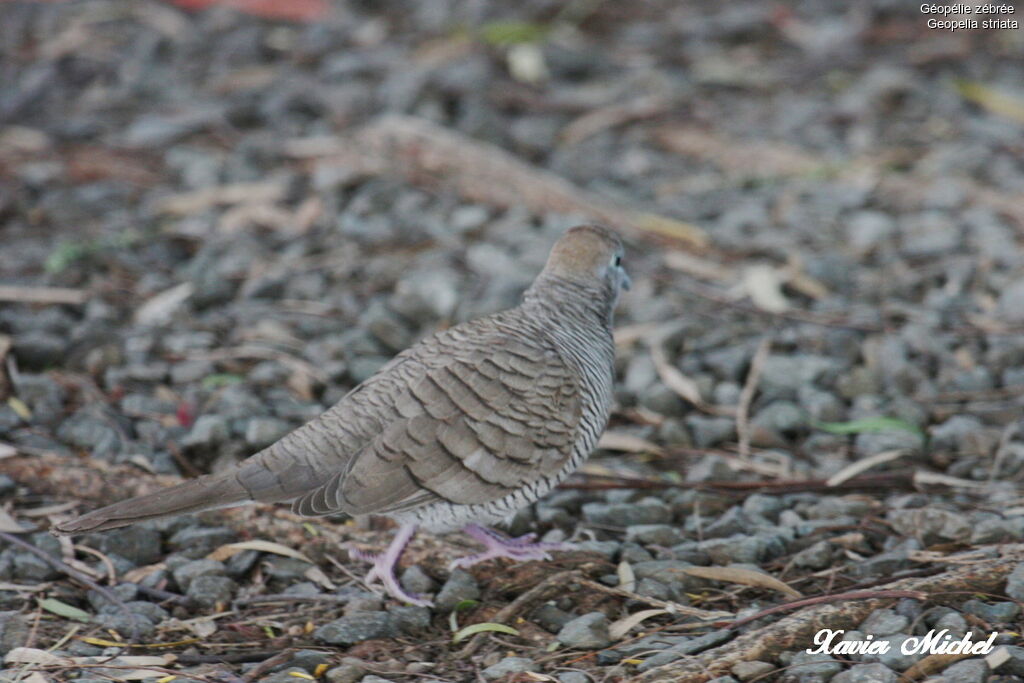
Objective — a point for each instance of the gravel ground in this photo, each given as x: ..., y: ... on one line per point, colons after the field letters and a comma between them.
x: 861, y: 299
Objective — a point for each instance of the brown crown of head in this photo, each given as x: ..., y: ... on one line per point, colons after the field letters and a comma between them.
x: 583, y: 253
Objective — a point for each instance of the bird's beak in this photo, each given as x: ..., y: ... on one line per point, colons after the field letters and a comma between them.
x: 626, y: 282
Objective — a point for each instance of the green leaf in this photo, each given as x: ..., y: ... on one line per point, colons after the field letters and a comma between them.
x: 486, y: 626
x: 869, y: 424
x: 63, y: 256
x: 460, y: 606
x: 502, y: 33
x: 62, y: 609
x: 221, y: 379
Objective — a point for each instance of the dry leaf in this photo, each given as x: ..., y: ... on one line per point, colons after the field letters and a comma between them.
x: 618, y: 629
x: 225, y: 551
x: 189, y: 203
x: 203, y: 628
x: 673, y: 378
x: 627, y: 443
x: 855, y: 468
x: 763, y: 284
x: 35, y: 656
x: 10, y: 525
x: 746, y: 577
x: 316, y: 575
x: 627, y: 579
x: 159, y: 308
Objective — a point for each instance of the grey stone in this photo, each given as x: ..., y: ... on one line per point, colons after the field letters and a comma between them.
x: 260, y: 432
x: 884, y: 622
x: 349, y: 670
x: 710, y: 431
x: 460, y: 586
x: 732, y: 521
x: 198, y: 541
x: 810, y: 667
x: 208, y: 590
x: 426, y: 295
x: 588, y: 632
x: 867, y: 673
x: 780, y: 417
x: 415, y: 580
x: 690, y: 647
x: 412, y: 619
x: 364, y: 601
x: 743, y: 548
x: 930, y: 524
x: 84, y: 431
x: 150, y: 610
x: 137, y: 544
x: 954, y: 622
x: 1015, y: 583
x: 124, y: 592
x: 285, y: 675
x: 39, y: 350
x: 573, y: 677
x: 286, y: 568
x: 966, y: 671
x: 994, y: 529
x: 549, y: 617
x: 816, y: 556
x: 746, y: 671
x: 764, y: 506
x: 868, y: 231
x: 1011, y: 302
x: 894, y: 657
x: 207, y: 432
x: 125, y: 623
x: 654, y: 534
x: 374, y: 678
x: 646, y: 511
x: 821, y: 406
x: 782, y: 376
x: 508, y: 665
x: 995, y: 613
x: 13, y: 631
x: 357, y: 628
x: 662, y: 400
x: 186, y: 573
x: 1015, y: 665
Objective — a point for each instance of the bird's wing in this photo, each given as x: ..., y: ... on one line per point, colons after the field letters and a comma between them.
x: 471, y: 430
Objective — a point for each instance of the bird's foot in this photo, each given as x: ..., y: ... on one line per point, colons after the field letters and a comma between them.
x: 496, y: 544
x: 383, y: 567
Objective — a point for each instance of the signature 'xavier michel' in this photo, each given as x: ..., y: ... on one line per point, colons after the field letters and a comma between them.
x: 460, y: 430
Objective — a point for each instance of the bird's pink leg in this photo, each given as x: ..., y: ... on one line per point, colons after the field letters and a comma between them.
x: 499, y: 545
x: 384, y: 566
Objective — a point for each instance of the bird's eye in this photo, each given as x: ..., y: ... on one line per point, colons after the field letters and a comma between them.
x: 617, y: 261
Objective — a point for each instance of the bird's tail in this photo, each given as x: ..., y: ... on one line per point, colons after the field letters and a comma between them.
x: 281, y: 472
x: 205, y: 493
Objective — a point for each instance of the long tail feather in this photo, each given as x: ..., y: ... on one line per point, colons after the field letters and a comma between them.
x: 204, y: 493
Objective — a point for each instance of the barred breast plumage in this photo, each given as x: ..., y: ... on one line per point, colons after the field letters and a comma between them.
x: 463, y: 428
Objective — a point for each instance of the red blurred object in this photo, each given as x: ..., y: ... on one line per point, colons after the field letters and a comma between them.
x: 185, y: 414
x: 289, y: 10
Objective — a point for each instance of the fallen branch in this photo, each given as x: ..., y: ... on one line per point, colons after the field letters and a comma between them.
x: 425, y: 154
x: 545, y: 590
x: 43, y: 295
x: 797, y: 630
x: 78, y: 576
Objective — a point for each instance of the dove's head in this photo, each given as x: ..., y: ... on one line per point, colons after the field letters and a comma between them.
x: 587, y: 258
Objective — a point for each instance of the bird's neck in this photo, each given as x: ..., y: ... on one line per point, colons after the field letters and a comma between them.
x: 571, y: 301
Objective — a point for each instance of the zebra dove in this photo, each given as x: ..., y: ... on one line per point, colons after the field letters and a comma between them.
x: 460, y: 430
